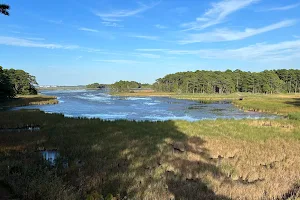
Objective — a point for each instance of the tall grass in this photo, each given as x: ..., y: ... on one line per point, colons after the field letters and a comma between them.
x: 221, y: 159
x: 25, y: 100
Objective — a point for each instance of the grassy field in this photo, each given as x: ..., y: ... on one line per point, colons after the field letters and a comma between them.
x: 221, y: 159
x: 25, y: 100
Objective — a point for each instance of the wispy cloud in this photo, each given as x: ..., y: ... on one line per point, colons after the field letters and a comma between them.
x: 260, y: 52
x: 35, y: 38
x: 220, y: 35
x: 159, y: 26
x: 218, y: 13
x: 88, y: 29
x: 147, y: 37
x: 78, y: 57
x: 282, y: 8
x: 116, y: 14
x: 13, y: 41
x: 119, y: 61
x: 53, y: 21
x: 147, y: 55
x: 111, y: 24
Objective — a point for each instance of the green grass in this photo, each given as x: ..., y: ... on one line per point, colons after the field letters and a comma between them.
x: 137, y: 159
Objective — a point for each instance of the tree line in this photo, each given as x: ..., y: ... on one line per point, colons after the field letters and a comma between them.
x: 268, y: 81
x: 14, y: 82
x: 127, y: 86
x: 95, y: 86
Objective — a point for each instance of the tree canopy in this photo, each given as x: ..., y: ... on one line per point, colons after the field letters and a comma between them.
x: 6, y: 88
x: 13, y: 82
x: 95, y: 86
x: 4, y: 9
x: 124, y: 86
x: 268, y: 81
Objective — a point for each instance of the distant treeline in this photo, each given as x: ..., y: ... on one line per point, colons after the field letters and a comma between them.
x: 268, y: 81
x: 127, y: 86
x: 14, y: 82
x: 95, y: 86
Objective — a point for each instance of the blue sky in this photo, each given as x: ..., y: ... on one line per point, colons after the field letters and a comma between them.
x: 67, y: 42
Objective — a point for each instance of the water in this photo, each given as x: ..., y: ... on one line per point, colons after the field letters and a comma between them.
x: 97, y: 104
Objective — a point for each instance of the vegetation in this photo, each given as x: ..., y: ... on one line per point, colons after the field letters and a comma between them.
x: 222, y: 159
x: 22, y: 82
x: 25, y: 100
x: 4, y: 9
x: 16, y: 82
x: 6, y: 87
x: 269, y: 82
x: 124, y: 86
x: 209, y: 159
x: 95, y: 86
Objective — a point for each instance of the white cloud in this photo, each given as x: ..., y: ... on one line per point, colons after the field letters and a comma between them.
x: 55, y: 21
x: 111, y: 24
x: 88, y: 29
x: 282, y: 8
x: 160, y: 26
x: 119, y: 61
x: 147, y: 55
x: 218, y: 13
x: 78, y: 57
x: 35, y: 38
x: 259, y: 52
x: 13, y: 41
x: 147, y: 37
x: 115, y: 15
x: 111, y: 19
x: 229, y: 35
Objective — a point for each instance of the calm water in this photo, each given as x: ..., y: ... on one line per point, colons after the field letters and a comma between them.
x: 97, y: 104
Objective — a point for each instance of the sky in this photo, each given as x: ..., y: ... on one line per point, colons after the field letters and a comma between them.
x: 67, y: 42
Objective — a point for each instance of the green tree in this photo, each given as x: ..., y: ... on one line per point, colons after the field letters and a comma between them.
x: 6, y: 88
x: 124, y: 86
x: 273, y: 81
x: 95, y: 86
x: 22, y: 82
x: 4, y: 9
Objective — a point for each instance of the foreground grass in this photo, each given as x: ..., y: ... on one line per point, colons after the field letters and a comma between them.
x: 222, y: 159
x: 25, y: 100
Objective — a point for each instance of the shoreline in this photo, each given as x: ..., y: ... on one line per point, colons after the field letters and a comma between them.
x: 278, y: 104
x: 27, y: 100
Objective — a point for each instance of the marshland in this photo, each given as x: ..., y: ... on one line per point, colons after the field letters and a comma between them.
x: 98, y: 156
x: 150, y: 100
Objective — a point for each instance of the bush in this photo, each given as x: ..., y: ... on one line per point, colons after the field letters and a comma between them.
x: 294, y: 116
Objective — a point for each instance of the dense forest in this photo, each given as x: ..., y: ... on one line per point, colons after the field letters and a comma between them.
x: 127, y: 86
x: 268, y: 81
x: 14, y: 82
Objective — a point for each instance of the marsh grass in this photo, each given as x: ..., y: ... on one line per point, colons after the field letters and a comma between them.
x: 25, y: 100
x: 222, y: 159
x: 281, y: 104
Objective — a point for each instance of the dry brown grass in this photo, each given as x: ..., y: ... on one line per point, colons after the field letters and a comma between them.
x: 222, y: 159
